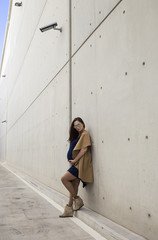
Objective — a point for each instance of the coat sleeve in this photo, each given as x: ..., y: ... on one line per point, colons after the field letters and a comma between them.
x: 83, y: 142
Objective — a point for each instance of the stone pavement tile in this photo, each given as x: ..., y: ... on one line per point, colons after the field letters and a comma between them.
x: 53, y: 229
x: 22, y: 198
x: 8, y: 180
x: 25, y: 215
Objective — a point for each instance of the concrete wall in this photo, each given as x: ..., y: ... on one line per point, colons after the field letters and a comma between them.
x: 110, y: 81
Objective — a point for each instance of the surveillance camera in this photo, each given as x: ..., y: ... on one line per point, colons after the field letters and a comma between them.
x: 18, y: 4
x: 54, y: 25
x: 5, y: 121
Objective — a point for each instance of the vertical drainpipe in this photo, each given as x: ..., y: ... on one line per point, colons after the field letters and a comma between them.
x: 70, y: 62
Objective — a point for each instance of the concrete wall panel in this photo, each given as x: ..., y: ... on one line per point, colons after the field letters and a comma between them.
x: 118, y: 103
x: 3, y: 144
x: 20, y: 36
x: 41, y: 55
x: 86, y: 16
x: 3, y: 118
x: 41, y: 135
x: 3, y: 100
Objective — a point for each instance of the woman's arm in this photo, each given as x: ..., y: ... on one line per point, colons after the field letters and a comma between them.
x: 79, y: 155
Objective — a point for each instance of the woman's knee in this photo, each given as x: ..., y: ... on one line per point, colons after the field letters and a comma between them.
x: 67, y: 177
x: 63, y: 179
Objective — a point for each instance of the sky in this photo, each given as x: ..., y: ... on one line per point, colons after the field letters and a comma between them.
x: 4, y: 8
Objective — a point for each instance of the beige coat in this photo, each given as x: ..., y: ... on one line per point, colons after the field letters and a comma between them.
x: 84, y: 165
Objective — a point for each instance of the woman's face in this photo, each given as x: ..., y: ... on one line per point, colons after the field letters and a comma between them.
x: 78, y: 126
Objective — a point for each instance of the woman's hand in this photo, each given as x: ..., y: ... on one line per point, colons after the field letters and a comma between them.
x: 80, y: 154
x: 72, y: 162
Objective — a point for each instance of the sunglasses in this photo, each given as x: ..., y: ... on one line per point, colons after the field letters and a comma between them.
x: 77, y: 126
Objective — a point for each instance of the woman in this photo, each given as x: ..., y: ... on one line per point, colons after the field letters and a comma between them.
x: 79, y: 156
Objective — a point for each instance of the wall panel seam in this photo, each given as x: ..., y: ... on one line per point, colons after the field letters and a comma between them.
x: 96, y: 28
x: 37, y: 97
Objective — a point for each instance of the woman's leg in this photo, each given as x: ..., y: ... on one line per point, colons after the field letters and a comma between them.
x: 66, y: 180
x: 75, y: 184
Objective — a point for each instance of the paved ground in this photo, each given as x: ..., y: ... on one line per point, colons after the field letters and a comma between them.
x: 25, y: 215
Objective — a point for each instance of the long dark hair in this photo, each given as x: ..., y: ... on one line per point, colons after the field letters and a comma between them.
x: 73, y: 134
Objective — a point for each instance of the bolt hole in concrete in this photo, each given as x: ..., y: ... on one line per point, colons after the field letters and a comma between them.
x: 143, y: 63
x: 126, y: 73
x: 130, y: 208
x: 124, y: 11
x: 99, y: 12
x: 149, y: 215
x: 128, y: 139
x: 146, y: 137
x: 99, y: 36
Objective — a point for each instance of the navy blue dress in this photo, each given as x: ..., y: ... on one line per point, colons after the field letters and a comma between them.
x: 73, y: 170
x: 72, y: 146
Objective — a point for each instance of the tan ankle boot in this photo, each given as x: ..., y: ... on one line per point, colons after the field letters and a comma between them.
x: 68, y: 212
x: 78, y: 203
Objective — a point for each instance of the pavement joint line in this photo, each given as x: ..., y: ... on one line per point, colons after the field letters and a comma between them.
x: 11, y: 187
x: 77, y: 221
